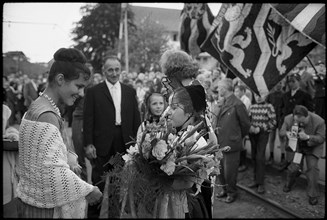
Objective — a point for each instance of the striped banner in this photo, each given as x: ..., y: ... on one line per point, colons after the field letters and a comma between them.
x: 196, y: 20
x: 256, y: 44
x: 307, y: 18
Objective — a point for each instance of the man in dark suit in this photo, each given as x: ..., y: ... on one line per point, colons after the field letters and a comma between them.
x: 295, y: 96
x: 111, y: 119
x: 307, y: 82
x: 233, y: 125
x: 310, y: 145
x: 30, y: 92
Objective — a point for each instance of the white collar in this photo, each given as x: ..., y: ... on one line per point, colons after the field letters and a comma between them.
x: 111, y: 86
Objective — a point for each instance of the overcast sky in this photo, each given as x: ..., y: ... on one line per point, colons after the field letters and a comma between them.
x: 39, y: 29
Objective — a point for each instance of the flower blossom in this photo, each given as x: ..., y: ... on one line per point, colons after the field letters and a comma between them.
x: 133, y: 150
x: 160, y: 149
x: 168, y: 167
x: 146, y: 146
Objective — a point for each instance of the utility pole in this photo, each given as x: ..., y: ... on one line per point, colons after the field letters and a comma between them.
x: 124, y: 6
x: 121, y: 25
x: 123, y: 29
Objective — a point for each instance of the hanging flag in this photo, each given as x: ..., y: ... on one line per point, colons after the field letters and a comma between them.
x: 307, y: 18
x: 196, y: 20
x: 256, y: 44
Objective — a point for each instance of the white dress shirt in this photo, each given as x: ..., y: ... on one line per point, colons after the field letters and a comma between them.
x: 246, y: 101
x: 115, y: 91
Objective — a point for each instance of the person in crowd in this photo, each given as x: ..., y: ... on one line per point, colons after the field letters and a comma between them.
x: 295, y: 96
x: 263, y: 121
x: 310, y: 142
x: 42, y: 83
x: 142, y: 68
x: 110, y: 122
x: 77, y: 126
x: 155, y: 105
x: 5, y: 85
x: 240, y: 92
x: 233, y: 125
x: 11, y: 100
x: 10, y: 135
x: 187, y: 106
x: 97, y: 78
x: 275, y: 98
x: 140, y: 91
x: 320, y: 95
x: 216, y: 105
x: 49, y: 184
x: 307, y: 82
x: 30, y: 91
x: 21, y: 108
x: 181, y: 70
x: 248, y: 92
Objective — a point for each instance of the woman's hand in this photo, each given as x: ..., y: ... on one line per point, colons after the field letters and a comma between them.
x: 94, y: 197
x: 73, y: 163
x: 90, y: 152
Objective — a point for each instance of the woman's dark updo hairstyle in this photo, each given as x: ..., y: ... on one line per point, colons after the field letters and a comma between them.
x: 71, y: 63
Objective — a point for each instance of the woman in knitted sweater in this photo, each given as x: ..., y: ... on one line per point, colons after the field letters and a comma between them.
x: 49, y: 183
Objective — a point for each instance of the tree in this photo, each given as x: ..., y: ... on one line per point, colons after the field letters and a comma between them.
x: 147, y: 43
x: 96, y: 34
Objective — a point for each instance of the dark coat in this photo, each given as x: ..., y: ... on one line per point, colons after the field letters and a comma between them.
x: 289, y: 102
x: 29, y: 93
x: 99, y: 117
x: 316, y: 128
x: 233, y: 123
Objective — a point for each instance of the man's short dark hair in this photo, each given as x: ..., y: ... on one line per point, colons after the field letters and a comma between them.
x: 241, y: 88
x: 300, y: 110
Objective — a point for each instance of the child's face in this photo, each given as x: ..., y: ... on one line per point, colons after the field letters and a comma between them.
x: 259, y: 99
x: 157, y: 104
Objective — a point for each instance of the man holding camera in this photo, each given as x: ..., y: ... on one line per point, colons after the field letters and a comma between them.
x: 309, y: 142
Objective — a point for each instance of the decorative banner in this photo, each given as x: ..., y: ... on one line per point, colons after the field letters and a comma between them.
x: 196, y: 20
x: 256, y: 44
x: 307, y: 18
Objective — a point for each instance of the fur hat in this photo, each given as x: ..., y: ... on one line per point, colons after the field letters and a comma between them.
x: 198, y: 97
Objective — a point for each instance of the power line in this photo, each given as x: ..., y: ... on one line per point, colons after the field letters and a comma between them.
x: 25, y: 22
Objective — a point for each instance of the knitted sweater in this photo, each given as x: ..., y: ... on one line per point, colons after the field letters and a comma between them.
x: 263, y: 115
x: 46, y: 180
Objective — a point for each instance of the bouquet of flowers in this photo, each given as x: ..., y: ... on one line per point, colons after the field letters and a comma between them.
x: 157, y: 158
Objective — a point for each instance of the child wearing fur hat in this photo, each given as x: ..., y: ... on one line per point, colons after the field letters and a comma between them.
x: 187, y: 107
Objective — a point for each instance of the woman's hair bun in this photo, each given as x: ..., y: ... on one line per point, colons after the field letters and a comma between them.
x: 69, y: 55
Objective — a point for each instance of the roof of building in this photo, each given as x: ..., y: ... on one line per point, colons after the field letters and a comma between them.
x: 170, y: 18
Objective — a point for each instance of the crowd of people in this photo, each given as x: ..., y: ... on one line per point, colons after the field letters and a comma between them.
x: 106, y: 111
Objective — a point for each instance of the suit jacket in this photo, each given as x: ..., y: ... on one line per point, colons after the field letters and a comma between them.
x: 316, y: 128
x: 30, y: 94
x: 233, y: 123
x: 99, y: 117
x: 307, y: 83
x: 289, y: 102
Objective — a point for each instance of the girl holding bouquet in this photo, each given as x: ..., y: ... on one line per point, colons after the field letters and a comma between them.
x: 186, y: 108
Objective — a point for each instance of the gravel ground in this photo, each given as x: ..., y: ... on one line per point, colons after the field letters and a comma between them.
x: 296, y: 200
